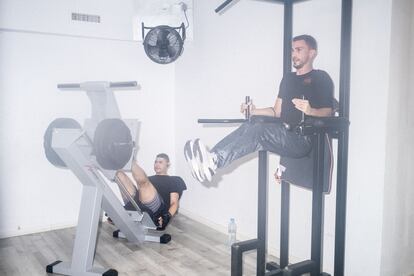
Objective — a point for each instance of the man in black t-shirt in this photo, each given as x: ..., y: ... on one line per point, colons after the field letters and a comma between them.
x: 158, y: 195
x: 306, y: 92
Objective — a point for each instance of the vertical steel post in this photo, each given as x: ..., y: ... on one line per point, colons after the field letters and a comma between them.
x: 284, y: 225
x: 344, y: 91
x: 262, y: 214
x: 318, y: 203
x: 285, y: 191
x: 287, y: 36
x: 236, y: 260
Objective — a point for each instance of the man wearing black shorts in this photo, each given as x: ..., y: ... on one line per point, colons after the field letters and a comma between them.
x: 158, y: 195
x: 306, y: 92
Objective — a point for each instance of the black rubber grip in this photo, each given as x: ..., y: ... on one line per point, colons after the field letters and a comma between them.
x: 222, y: 6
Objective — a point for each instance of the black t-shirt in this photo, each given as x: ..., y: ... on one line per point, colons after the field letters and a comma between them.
x: 316, y: 87
x: 165, y: 185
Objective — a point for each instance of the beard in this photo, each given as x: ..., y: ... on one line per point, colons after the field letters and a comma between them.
x: 298, y: 64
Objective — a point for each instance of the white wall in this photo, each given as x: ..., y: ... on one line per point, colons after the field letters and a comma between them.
x: 49, y: 16
x: 398, y: 235
x: 232, y: 56
x: 34, y: 195
x: 369, y: 85
x: 240, y: 53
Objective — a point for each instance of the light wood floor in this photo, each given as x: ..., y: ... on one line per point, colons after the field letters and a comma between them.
x: 194, y: 250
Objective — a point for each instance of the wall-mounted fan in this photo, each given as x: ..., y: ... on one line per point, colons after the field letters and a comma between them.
x: 163, y: 44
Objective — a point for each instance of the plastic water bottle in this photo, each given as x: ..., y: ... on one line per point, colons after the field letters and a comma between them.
x: 232, y: 229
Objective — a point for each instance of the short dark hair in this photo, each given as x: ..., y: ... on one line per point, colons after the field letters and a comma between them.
x: 309, y: 40
x: 163, y: 156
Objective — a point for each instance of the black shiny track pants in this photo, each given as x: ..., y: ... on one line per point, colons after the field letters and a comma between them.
x: 261, y: 133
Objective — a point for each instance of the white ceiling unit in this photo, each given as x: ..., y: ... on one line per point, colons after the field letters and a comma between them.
x: 163, y: 12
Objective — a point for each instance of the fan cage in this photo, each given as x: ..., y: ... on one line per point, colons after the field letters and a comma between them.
x: 163, y: 44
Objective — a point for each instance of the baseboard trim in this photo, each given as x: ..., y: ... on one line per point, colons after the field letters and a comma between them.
x: 39, y: 229
x: 35, y: 229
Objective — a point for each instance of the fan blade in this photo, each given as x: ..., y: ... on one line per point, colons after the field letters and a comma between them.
x: 162, y: 35
x: 152, y: 38
x: 153, y: 50
x: 152, y: 41
x: 163, y: 53
x: 172, y: 50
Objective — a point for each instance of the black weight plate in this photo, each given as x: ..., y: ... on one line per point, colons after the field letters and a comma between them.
x: 50, y: 153
x: 112, y: 144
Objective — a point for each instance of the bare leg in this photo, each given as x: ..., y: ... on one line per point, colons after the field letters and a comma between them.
x: 127, y: 184
x: 147, y: 192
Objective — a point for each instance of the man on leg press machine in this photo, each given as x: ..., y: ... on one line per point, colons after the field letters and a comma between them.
x: 158, y: 195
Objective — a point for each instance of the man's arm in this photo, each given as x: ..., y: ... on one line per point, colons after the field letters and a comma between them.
x: 164, y: 219
x: 278, y: 107
x: 174, y: 201
x: 267, y: 111
x: 305, y: 107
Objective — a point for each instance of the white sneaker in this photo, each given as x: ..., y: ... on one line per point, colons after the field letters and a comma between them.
x: 192, y: 161
x: 207, y: 161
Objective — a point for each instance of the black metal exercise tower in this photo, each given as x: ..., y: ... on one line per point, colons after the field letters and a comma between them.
x: 336, y: 127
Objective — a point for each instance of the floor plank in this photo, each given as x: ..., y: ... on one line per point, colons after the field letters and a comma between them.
x: 194, y: 250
